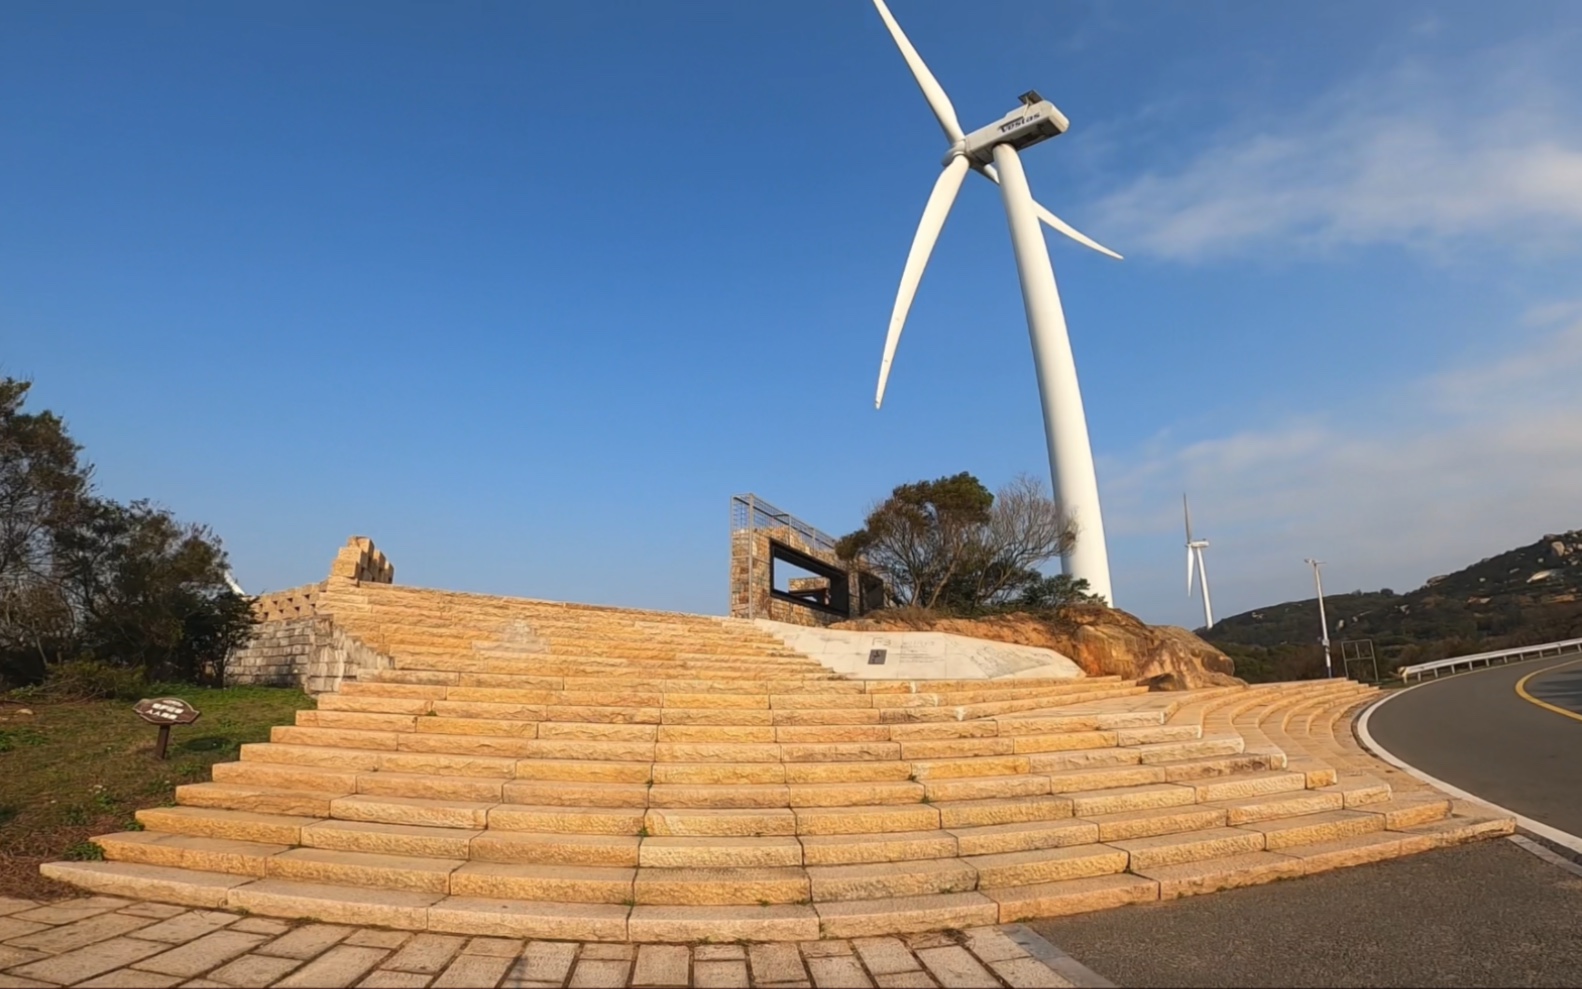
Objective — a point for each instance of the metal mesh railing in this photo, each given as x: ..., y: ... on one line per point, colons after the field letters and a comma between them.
x: 748, y: 511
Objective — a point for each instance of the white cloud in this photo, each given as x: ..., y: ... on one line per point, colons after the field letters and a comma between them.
x: 1420, y: 157
x: 1463, y: 463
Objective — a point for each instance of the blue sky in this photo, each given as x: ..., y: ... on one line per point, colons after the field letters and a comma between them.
x: 525, y: 292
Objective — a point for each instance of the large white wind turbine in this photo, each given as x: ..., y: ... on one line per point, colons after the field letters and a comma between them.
x: 1195, y: 548
x: 992, y: 151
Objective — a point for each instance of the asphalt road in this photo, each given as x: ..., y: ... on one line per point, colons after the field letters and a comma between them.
x: 1474, y: 731
x: 1484, y: 914
x: 1560, y: 686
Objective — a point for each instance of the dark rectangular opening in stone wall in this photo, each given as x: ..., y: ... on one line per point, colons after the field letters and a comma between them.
x: 804, y: 580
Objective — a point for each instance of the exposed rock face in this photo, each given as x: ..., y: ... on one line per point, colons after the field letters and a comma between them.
x: 1102, y: 641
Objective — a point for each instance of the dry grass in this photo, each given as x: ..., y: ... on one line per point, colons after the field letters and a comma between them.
x: 74, y: 769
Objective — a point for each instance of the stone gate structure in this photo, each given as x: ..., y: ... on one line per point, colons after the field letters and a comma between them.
x: 762, y: 536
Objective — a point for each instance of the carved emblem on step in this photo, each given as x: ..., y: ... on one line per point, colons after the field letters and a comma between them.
x: 516, y: 639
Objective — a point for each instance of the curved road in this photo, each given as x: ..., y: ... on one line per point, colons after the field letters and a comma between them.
x: 1477, y: 732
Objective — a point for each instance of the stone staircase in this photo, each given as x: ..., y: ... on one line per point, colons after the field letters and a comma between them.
x: 558, y: 771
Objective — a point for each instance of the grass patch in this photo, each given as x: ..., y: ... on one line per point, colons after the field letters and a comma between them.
x: 74, y: 769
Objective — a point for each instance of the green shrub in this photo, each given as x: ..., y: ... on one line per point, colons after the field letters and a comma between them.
x: 85, y: 851
x: 90, y: 679
x: 17, y: 737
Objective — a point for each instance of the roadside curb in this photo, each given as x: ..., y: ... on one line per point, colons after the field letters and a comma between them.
x: 1551, y: 835
x: 1063, y: 964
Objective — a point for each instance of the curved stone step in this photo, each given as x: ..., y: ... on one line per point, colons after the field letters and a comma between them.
x: 518, y: 801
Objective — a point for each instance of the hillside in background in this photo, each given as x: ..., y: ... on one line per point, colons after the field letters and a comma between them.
x: 1522, y: 596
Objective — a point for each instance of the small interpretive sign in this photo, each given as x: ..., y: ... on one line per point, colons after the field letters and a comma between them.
x: 164, y: 712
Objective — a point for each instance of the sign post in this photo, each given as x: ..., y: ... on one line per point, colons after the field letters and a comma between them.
x: 164, y: 712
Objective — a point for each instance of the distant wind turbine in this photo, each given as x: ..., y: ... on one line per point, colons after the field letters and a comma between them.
x: 1195, y: 548
x: 992, y: 152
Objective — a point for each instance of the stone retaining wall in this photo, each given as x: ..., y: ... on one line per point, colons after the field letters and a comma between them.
x: 277, y: 655
x: 311, y: 653
x: 297, y: 644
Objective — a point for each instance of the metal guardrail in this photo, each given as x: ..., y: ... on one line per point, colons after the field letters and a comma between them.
x: 1420, y: 670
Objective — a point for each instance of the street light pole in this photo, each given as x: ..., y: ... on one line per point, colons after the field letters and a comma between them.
x: 1323, y: 622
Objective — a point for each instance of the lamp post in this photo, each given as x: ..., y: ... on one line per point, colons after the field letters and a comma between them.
x: 1323, y: 622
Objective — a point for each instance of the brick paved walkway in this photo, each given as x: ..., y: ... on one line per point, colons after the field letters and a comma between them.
x: 104, y: 941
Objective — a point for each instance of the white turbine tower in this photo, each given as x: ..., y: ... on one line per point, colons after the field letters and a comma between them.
x: 1195, y: 548
x: 992, y: 152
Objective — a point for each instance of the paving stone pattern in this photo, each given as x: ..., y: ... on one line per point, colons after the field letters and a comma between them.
x: 108, y: 941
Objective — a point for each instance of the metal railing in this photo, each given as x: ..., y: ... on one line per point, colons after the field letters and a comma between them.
x: 1420, y: 670
x: 748, y: 511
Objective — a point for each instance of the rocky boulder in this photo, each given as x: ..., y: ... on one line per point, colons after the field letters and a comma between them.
x: 1102, y: 641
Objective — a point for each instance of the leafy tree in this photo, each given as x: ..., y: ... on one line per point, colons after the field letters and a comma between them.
x: 1051, y: 593
x: 150, y: 592
x: 87, y: 578
x: 951, y: 545
x: 43, y: 490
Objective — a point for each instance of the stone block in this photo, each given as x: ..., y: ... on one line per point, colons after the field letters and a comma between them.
x: 528, y: 919
x: 891, y: 846
x: 1174, y: 849
x: 953, y: 965
x: 321, y: 865
x: 400, y: 909
x: 861, y: 918
x: 254, y: 970
x: 546, y: 961
x: 470, y: 971
x: 713, y: 852
x: 84, y: 963
x: 89, y: 930
x: 723, y: 923
x: 306, y: 942
x: 197, y: 889
x: 532, y: 848
x: 196, y: 957
x: 342, y: 965
x: 1311, y: 828
x: 568, y: 820
x: 390, y: 839
x: 677, y: 822
x: 188, y: 925
x: 716, y: 886
x: 999, y: 810
x: 1192, y: 878
x: 1047, y: 865
x: 866, y: 820
x: 886, y: 955
x: 426, y: 954
x: 661, y: 965
x: 891, y: 879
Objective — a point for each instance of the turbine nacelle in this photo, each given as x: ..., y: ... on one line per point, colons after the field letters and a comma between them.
x: 1036, y: 120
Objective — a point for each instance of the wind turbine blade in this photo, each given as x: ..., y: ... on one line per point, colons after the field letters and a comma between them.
x: 1056, y: 223
x: 934, y: 216
x: 932, y: 90
x: 1072, y: 232
x: 1188, y: 513
x: 1189, y: 570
